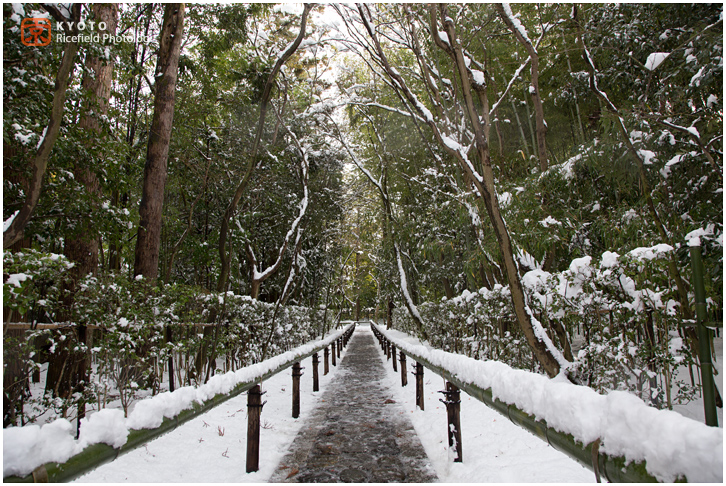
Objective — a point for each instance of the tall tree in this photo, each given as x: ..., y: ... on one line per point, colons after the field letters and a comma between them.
x: 146, y: 260
x: 470, y: 88
x: 14, y: 231
x: 82, y: 247
x: 224, y: 254
x: 516, y: 27
x: 68, y: 368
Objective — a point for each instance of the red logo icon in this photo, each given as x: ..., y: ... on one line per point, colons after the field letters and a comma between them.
x: 35, y: 32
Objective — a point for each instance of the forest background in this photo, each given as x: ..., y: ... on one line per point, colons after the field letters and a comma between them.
x: 517, y: 183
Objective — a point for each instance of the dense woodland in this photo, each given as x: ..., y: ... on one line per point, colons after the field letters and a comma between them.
x: 225, y: 182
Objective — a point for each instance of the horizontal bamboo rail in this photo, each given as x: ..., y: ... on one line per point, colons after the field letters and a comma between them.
x: 96, y: 455
x: 614, y: 469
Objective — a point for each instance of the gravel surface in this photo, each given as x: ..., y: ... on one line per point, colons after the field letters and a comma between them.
x: 358, y: 433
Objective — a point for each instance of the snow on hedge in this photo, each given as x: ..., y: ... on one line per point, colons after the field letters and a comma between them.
x: 670, y: 444
x: 26, y: 448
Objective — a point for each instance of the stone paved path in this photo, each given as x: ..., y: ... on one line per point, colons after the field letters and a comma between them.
x: 357, y: 433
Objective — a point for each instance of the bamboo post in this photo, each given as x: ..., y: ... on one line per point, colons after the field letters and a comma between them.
x: 333, y: 353
x: 254, y: 406
x: 326, y: 366
x: 296, y: 374
x: 704, y: 338
x: 170, y: 339
x: 393, y: 355
x: 404, y: 376
x: 316, y: 382
x: 453, y: 413
x: 419, y: 385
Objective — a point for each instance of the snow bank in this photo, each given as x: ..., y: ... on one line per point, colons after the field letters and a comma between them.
x: 670, y: 444
x: 26, y: 448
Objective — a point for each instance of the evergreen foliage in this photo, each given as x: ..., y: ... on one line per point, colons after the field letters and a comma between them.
x: 393, y: 222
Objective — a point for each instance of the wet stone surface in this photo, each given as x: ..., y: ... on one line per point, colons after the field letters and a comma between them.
x: 357, y: 434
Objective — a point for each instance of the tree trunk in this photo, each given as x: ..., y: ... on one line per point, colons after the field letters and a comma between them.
x: 521, y: 130
x: 120, y: 200
x: 448, y: 290
x: 14, y: 232
x: 16, y: 386
x: 541, y: 128
x: 544, y: 350
x: 146, y: 261
x: 536, y: 337
x: 82, y: 247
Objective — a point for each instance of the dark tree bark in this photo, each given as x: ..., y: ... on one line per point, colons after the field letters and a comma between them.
x: 119, y: 199
x: 146, y: 262
x: 82, y: 247
x: 67, y: 368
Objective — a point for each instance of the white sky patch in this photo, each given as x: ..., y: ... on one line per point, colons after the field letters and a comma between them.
x: 289, y: 8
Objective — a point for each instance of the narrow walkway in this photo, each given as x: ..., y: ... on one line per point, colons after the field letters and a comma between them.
x: 358, y: 433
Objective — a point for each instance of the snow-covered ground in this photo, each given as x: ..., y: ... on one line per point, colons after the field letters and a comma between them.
x: 669, y: 444
x: 213, y: 447
x: 494, y: 450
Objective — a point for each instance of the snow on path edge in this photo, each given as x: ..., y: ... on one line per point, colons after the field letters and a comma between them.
x: 670, y: 444
x: 26, y: 448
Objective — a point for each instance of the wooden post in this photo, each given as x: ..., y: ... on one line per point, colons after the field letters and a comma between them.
x: 333, y: 353
x: 388, y: 350
x: 170, y: 339
x: 340, y: 346
x: 453, y: 412
x: 326, y: 367
x: 419, y: 386
x: 254, y: 406
x: 316, y: 382
x: 393, y: 355
x: 296, y: 374
x: 404, y: 377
